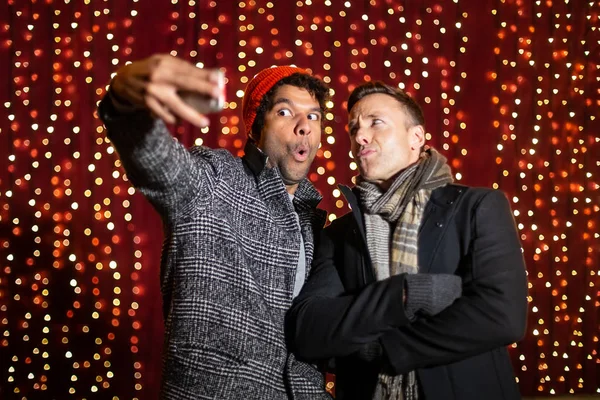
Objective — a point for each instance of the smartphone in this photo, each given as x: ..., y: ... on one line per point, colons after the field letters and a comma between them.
x: 206, y: 104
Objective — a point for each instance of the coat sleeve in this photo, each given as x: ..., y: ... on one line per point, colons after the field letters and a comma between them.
x: 492, y: 310
x: 325, y: 321
x: 167, y: 173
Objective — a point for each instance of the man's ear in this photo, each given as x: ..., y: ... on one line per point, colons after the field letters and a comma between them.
x: 416, y: 136
x: 253, y: 138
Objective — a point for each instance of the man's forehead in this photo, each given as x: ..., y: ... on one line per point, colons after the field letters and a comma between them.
x: 283, y: 90
x: 374, y: 104
x: 294, y: 95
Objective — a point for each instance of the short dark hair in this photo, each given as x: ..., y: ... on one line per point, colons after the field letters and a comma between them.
x: 410, y: 106
x: 313, y: 85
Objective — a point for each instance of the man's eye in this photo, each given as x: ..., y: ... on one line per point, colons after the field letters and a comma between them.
x: 314, y: 117
x: 376, y: 121
x: 284, y: 112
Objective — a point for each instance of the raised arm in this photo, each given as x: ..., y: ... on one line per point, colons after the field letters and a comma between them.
x: 142, y: 96
x: 492, y: 309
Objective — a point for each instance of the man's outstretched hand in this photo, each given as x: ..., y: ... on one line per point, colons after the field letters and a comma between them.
x: 155, y: 83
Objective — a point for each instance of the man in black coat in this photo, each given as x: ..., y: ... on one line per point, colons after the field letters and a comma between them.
x: 384, y: 295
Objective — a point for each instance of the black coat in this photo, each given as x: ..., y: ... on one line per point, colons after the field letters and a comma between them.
x: 458, y: 354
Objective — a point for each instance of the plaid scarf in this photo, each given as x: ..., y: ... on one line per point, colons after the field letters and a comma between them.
x: 392, y: 220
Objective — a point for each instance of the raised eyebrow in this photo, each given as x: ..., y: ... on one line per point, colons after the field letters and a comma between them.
x: 317, y: 110
x: 291, y: 103
x: 282, y: 100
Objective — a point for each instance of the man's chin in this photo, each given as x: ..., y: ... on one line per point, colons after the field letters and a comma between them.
x: 366, y: 177
x: 291, y: 181
x: 294, y: 178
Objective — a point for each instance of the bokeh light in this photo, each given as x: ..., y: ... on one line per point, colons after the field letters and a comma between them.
x: 511, y: 95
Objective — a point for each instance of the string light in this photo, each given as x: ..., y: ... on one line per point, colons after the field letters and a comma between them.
x: 75, y: 316
x: 70, y: 259
x: 547, y: 159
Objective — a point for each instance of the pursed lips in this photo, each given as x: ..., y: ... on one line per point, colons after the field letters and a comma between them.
x: 365, y: 152
x: 301, y: 152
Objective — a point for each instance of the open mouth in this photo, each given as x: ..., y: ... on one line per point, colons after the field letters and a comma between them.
x: 301, y: 153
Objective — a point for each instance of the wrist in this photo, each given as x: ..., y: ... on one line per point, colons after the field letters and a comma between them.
x: 120, y: 104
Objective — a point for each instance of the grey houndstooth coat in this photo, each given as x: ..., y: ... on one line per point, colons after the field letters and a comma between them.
x: 228, y: 265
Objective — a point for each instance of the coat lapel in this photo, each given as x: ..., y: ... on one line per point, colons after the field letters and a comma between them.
x: 353, y: 203
x: 312, y: 219
x: 359, y: 233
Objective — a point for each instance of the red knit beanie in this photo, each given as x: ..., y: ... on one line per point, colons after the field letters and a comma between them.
x: 258, y: 87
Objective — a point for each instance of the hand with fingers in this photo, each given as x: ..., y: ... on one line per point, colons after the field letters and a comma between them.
x: 170, y: 88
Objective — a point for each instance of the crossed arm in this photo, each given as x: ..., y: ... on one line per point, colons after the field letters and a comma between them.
x: 326, y: 321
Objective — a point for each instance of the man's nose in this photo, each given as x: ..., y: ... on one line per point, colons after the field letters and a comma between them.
x: 362, y: 137
x: 303, y: 126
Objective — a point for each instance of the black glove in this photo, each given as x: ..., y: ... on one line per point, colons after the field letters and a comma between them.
x: 430, y: 293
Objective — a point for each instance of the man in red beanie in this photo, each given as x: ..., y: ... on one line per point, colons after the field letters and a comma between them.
x: 238, y: 231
